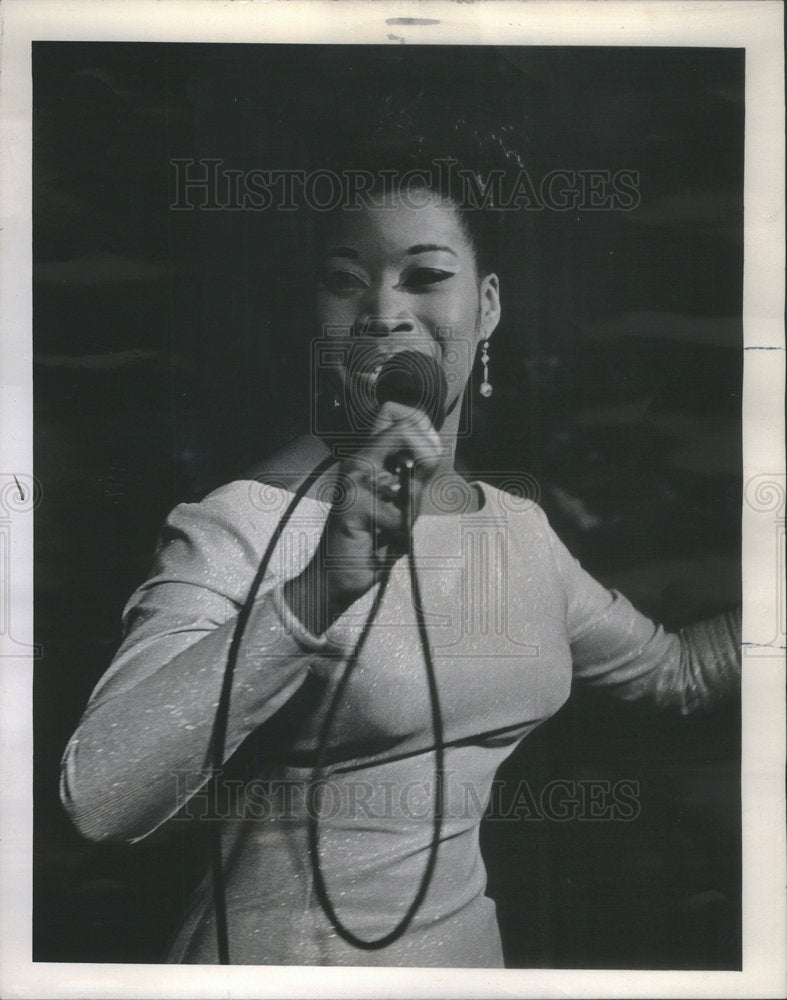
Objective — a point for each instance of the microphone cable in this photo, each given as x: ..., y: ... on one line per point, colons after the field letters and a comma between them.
x: 312, y: 805
x: 218, y: 739
x: 217, y: 743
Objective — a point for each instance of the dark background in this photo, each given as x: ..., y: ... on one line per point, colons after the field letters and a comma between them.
x: 169, y: 354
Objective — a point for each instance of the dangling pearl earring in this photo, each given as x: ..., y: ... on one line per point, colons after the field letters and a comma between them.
x: 486, y: 385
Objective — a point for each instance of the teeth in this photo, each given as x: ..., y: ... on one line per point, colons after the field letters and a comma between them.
x: 369, y: 374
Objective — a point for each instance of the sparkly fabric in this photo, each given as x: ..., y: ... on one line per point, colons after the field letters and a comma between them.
x: 511, y: 618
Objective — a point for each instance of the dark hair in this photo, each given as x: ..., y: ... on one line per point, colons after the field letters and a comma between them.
x: 386, y: 166
x: 470, y: 153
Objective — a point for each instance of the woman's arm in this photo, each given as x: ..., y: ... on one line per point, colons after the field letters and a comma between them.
x: 617, y: 648
x: 143, y: 744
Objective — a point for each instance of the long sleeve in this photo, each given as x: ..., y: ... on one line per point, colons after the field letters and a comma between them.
x: 142, y: 745
x: 616, y: 648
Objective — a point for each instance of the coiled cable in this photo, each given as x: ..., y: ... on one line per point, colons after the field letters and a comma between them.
x: 217, y: 744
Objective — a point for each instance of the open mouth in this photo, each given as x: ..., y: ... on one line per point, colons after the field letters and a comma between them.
x: 364, y: 369
x: 366, y: 364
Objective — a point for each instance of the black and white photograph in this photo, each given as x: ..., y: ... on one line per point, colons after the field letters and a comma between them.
x: 389, y: 478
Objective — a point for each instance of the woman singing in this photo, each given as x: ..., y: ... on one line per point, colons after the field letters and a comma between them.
x: 345, y: 646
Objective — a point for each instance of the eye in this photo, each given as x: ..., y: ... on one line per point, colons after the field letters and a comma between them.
x: 342, y: 282
x: 423, y: 277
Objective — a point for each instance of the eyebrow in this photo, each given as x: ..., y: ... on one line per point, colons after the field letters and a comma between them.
x: 410, y: 252
x: 426, y: 247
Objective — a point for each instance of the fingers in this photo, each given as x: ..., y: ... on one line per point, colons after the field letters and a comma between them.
x: 412, y: 425
x: 369, y: 524
x: 402, y: 431
x: 403, y: 439
x: 399, y: 415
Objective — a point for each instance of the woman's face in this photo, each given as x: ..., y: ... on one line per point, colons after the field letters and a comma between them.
x: 404, y: 278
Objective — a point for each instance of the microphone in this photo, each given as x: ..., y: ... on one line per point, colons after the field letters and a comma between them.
x: 414, y: 379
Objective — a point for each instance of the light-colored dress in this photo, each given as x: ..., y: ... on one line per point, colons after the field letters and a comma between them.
x: 511, y: 619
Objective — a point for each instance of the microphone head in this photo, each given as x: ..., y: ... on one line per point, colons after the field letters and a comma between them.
x: 414, y: 379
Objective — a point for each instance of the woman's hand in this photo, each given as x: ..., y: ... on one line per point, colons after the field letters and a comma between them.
x: 365, y: 530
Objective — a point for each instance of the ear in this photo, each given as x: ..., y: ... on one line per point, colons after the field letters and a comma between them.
x: 489, y: 314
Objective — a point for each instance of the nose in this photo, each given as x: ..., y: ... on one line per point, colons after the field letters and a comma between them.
x: 377, y: 325
x: 384, y: 314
